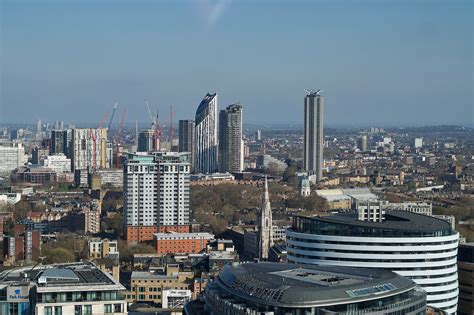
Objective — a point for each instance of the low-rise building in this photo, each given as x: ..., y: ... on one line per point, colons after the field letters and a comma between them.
x: 58, y: 163
x: 181, y: 242
x: 149, y: 286
x: 103, y: 248
x: 41, y: 176
x: 75, y: 288
x: 421, y: 207
x: 9, y: 198
x: 271, y: 288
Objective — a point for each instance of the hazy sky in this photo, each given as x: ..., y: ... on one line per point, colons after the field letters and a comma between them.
x: 378, y: 62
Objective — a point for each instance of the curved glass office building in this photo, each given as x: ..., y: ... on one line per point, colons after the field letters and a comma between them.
x: 419, y: 247
x: 291, y: 289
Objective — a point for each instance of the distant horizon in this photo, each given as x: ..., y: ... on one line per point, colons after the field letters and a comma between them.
x: 263, y: 125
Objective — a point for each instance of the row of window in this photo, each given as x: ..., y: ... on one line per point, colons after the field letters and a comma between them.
x: 82, y: 309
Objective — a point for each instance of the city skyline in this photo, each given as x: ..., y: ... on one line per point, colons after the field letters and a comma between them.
x: 399, y: 73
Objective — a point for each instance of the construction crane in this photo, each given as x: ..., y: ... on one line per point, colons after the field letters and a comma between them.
x: 112, y: 116
x: 93, y: 135
x: 117, y: 139
x: 155, y: 126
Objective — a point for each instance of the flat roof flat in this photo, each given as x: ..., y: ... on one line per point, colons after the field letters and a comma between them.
x: 394, y: 220
x: 294, y: 285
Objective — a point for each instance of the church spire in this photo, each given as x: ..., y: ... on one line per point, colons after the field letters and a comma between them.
x: 266, y: 196
x: 265, y: 225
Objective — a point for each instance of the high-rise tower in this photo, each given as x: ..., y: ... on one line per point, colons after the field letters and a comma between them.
x: 156, y: 194
x: 231, y: 157
x: 363, y: 142
x: 265, y: 226
x: 313, y: 133
x: 146, y: 141
x: 186, y: 138
x: 205, y: 160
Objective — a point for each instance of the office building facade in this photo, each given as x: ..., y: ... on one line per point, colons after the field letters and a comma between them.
x: 231, y: 155
x: 60, y: 289
x: 416, y: 246
x: 313, y: 133
x: 205, y: 160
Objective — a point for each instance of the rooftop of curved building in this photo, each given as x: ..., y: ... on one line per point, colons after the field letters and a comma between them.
x: 293, y: 285
x: 396, y: 220
x: 203, y: 107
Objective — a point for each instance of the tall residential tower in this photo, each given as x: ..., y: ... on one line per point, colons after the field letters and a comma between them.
x: 313, y: 133
x: 231, y: 157
x: 156, y: 194
x: 206, y: 135
x: 186, y: 138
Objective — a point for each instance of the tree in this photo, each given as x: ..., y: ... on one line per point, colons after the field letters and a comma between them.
x: 20, y: 210
x: 127, y: 251
x: 57, y: 255
x: 289, y: 175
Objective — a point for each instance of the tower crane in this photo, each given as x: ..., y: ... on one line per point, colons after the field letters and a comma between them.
x: 112, y: 116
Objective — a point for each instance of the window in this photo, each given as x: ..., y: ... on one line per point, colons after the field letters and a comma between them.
x: 61, y: 297
x: 117, y: 308
x: 76, y: 296
x: 91, y: 296
x: 77, y: 310
x: 108, y: 308
x: 47, y: 298
x: 58, y: 310
x: 48, y: 310
x: 87, y: 310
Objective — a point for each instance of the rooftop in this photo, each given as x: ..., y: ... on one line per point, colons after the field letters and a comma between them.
x: 303, y: 285
x: 175, y: 235
x: 148, y: 275
x: 394, y: 220
x: 73, y: 275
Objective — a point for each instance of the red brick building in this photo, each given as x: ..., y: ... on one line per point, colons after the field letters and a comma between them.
x: 23, y: 244
x: 186, y: 243
x: 134, y: 234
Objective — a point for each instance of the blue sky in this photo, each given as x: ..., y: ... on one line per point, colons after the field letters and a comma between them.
x: 378, y: 62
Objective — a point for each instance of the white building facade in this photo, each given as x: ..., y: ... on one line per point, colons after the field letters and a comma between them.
x: 140, y: 183
x: 58, y: 163
x: 12, y: 156
x: 419, y: 247
x: 156, y: 189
